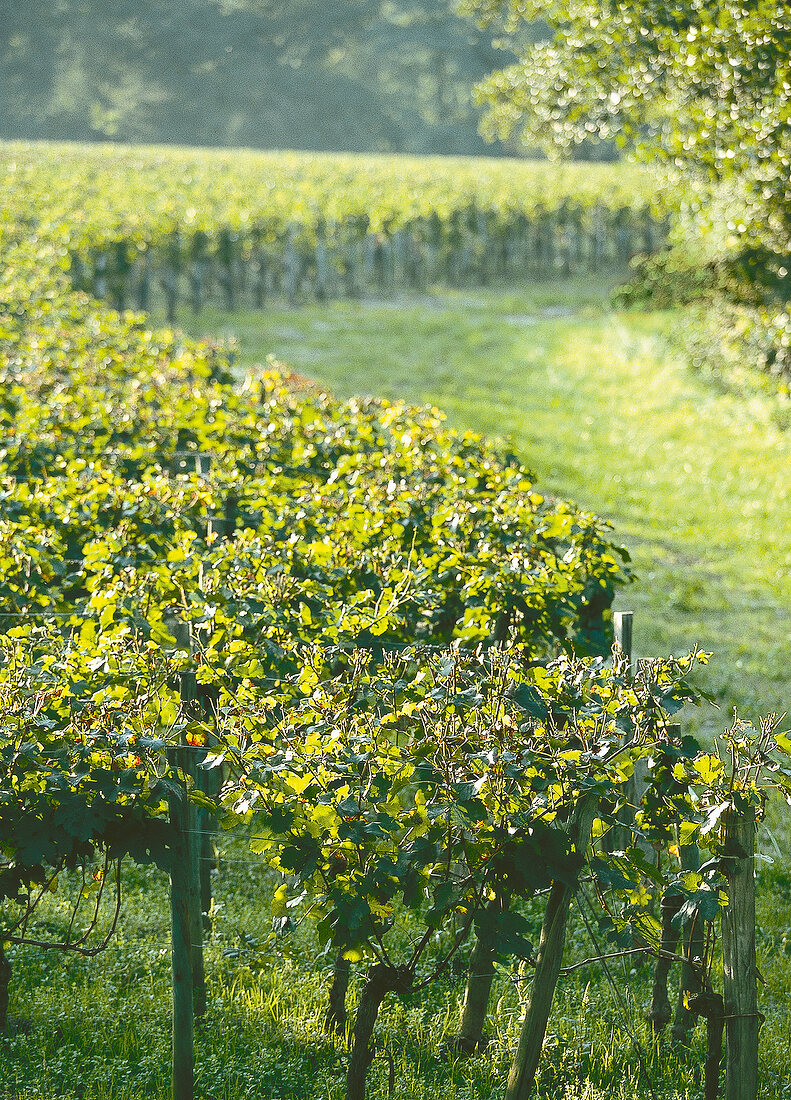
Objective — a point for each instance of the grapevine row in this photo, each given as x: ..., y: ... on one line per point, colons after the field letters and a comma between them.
x: 238, y: 229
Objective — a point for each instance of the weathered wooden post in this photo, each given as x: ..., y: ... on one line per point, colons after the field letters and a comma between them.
x: 259, y: 277
x: 550, y: 957
x: 100, y: 275
x: 197, y: 270
x: 144, y: 286
x: 120, y: 276
x: 183, y: 1055
x: 369, y: 262
x: 210, y: 782
x: 291, y: 267
x: 322, y: 267
x: 206, y: 700
x: 186, y: 885
x: 189, y: 696
x: 740, y: 969
x: 623, y: 624
x: 623, y: 628
x: 399, y: 258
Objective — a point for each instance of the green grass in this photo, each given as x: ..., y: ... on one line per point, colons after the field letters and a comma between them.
x: 696, y: 482
x: 99, y: 1029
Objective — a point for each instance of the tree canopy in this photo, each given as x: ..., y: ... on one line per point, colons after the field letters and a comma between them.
x: 377, y: 75
x: 705, y: 86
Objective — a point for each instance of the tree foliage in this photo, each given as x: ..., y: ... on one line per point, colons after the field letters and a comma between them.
x: 343, y: 74
x: 705, y: 87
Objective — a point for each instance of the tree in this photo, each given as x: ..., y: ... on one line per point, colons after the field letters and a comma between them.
x: 705, y: 87
x: 344, y: 74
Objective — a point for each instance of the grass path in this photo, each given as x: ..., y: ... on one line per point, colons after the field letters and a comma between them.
x: 696, y: 482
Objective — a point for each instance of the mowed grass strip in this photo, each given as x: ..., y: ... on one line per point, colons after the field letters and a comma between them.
x: 696, y: 482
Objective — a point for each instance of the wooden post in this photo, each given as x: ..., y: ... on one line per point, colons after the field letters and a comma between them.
x: 196, y: 280
x: 369, y: 262
x: 259, y: 278
x: 623, y: 623
x: 740, y: 970
x: 192, y: 850
x: 322, y: 270
x: 169, y: 283
x: 144, y: 286
x: 188, y: 892
x: 399, y: 258
x: 210, y: 783
x: 206, y: 702
x: 183, y: 1055
x: 550, y: 957
x: 291, y: 267
x: 100, y: 276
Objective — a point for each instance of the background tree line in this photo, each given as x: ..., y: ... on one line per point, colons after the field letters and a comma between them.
x: 377, y: 75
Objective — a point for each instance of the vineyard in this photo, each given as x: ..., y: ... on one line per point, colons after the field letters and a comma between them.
x: 355, y: 651
x: 242, y: 228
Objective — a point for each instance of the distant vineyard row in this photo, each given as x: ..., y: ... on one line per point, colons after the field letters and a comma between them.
x: 194, y: 226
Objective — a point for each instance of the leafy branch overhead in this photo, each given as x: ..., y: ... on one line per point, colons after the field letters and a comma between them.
x: 703, y: 88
